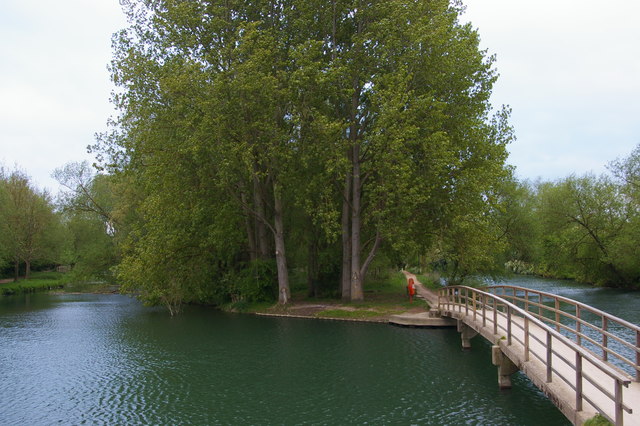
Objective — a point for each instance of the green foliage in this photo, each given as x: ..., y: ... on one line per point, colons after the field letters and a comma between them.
x: 246, y: 127
x: 30, y: 230
x: 387, y: 282
x: 40, y: 281
x: 585, y: 228
x: 598, y: 420
x: 583, y: 219
x: 257, y: 282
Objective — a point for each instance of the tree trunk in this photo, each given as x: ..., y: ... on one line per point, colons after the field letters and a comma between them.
x: 357, y: 293
x: 284, y: 294
x: 346, y: 241
x: 27, y: 269
x: 261, y: 229
x: 16, y: 270
x: 312, y: 265
x: 251, y: 239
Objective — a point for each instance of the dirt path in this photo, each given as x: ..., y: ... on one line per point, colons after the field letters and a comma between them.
x: 421, y: 291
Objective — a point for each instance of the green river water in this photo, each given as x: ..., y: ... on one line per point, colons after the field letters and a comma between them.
x: 106, y: 359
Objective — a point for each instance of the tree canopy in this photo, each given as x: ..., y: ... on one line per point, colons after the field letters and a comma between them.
x: 251, y: 129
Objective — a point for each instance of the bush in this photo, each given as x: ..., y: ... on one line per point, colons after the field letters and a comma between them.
x: 258, y: 282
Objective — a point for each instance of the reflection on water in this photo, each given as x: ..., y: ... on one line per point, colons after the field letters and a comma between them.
x: 105, y: 359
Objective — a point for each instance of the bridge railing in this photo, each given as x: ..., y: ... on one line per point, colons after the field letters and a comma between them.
x: 516, y: 323
x: 609, y: 337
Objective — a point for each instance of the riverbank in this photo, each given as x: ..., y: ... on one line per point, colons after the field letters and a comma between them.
x: 56, y: 282
x: 382, y: 301
x: 40, y: 281
x: 384, y: 298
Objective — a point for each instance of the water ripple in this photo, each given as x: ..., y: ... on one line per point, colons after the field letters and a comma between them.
x: 108, y: 360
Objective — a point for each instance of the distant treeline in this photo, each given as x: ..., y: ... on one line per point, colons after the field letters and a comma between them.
x: 581, y: 227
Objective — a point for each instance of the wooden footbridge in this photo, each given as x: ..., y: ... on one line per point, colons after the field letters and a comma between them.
x: 585, y: 360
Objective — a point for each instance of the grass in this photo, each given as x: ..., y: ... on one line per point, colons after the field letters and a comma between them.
x: 50, y: 280
x: 430, y: 281
x: 39, y: 281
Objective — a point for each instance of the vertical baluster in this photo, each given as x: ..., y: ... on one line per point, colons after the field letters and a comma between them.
x: 451, y: 299
x: 540, y: 304
x: 484, y: 310
x: 605, y: 338
x: 466, y: 301
x: 549, y: 349
x: 447, y: 300
x: 557, y: 305
x: 618, y: 402
x: 526, y: 300
x: 637, y: 356
x: 578, y: 326
x: 495, y: 315
x: 454, y: 299
x: 578, y: 381
x: 474, y: 305
x: 526, y: 339
x: 508, y: 325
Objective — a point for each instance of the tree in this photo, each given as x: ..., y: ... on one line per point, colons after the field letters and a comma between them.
x: 30, y: 221
x: 582, y: 219
x: 421, y: 149
x: 299, y: 122
x: 87, y: 203
x: 518, y: 223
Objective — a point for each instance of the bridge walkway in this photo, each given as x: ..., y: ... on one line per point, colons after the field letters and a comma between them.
x: 585, y: 360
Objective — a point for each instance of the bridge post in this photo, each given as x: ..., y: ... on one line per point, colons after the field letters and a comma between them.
x: 506, y: 367
x: 466, y: 333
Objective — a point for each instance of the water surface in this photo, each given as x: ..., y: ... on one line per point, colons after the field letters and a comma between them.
x: 106, y: 359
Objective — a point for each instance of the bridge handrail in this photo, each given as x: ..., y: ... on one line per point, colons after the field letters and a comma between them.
x: 580, y: 308
x: 449, y: 294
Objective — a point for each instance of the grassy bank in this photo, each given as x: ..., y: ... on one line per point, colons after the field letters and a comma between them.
x: 47, y: 281
x: 384, y: 295
x: 39, y: 281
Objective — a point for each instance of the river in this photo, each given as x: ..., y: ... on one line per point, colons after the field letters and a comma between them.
x: 106, y: 359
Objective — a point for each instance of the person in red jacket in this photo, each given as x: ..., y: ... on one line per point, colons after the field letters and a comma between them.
x: 411, y: 289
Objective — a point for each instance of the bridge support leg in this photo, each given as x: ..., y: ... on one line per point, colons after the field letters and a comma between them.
x: 506, y: 367
x: 466, y: 333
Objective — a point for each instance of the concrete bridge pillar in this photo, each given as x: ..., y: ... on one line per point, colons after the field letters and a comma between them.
x: 466, y: 333
x: 506, y: 367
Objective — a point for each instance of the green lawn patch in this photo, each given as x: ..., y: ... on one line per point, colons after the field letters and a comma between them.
x: 40, y: 281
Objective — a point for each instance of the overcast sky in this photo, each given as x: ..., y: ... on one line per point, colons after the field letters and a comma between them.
x: 569, y: 69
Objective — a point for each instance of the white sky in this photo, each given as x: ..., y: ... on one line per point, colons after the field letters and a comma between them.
x: 570, y: 70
